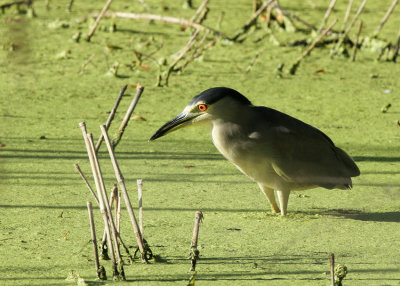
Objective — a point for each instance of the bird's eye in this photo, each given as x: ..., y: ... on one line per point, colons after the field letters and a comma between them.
x: 202, y: 107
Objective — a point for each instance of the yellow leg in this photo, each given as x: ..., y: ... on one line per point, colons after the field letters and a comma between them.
x: 269, y: 193
x: 283, y: 197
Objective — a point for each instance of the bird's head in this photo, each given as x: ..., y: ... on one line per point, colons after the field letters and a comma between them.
x: 211, y: 104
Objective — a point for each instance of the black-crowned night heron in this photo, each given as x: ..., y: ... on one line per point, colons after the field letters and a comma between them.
x: 275, y: 150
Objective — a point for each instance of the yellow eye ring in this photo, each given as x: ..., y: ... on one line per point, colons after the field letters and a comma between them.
x: 202, y: 107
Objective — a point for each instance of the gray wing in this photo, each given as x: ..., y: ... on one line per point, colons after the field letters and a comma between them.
x: 303, y: 154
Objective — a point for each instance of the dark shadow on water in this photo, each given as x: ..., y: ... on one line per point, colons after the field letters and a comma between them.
x: 363, y: 216
x: 376, y: 159
x: 83, y: 207
x: 343, y: 213
x: 70, y: 154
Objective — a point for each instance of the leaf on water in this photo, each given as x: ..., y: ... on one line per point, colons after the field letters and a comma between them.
x: 138, y: 117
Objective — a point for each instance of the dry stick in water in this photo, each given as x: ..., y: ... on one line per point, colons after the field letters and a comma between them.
x: 166, y: 19
x: 87, y: 183
x: 194, y: 254
x: 140, y: 203
x: 346, y: 16
x: 91, y: 156
x: 294, y: 67
x: 346, y: 32
x: 104, y: 253
x: 332, y: 268
x: 196, y: 15
x: 385, y: 18
x: 397, y: 49
x: 121, y: 183
x: 297, y: 18
x: 327, y: 14
x: 118, y: 210
x: 83, y: 66
x: 96, y: 23
x: 100, y: 272
x: 107, y: 207
x: 112, y: 114
x: 186, y: 49
x: 353, y: 58
x: 253, y: 18
x: 125, y: 121
x: 71, y: 2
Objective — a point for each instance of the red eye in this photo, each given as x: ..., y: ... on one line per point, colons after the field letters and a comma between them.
x: 202, y: 107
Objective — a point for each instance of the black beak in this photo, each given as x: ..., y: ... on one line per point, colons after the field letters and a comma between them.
x: 180, y: 121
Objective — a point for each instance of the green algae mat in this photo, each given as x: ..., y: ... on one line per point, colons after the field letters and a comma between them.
x: 50, y: 81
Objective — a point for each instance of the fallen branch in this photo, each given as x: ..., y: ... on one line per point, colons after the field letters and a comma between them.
x: 199, y: 10
x: 182, y: 53
x: 297, y: 18
x: 83, y: 66
x: 253, y: 18
x: 165, y: 19
x: 294, y: 67
x: 98, y: 19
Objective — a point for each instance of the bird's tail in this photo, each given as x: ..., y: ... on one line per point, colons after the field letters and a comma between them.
x: 351, y: 169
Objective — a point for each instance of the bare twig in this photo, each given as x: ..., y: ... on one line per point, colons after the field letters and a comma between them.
x: 104, y: 239
x: 165, y: 19
x: 118, y: 210
x: 121, y: 183
x: 346, y: 15
x: 94, y: 241
x: 327, y: 14
x: 128, y: 114
x: 107, y: 208
x: 397, y: 49
x: 199, y: 10
x: 87, y: 183
x: 253, y: 61
x: 332, y: 268
x: 112, y: 114
x: 83, y: 66
x: 194, y: 255
x: 197, y: 52
x: 297, y: 18
x: 346, y: 32
x: 182, y: 53
x: 385, y: 18
x: 140, y: 203
x: 71, y: 2
x: 353, y: 58
x: 98, y: 19
x: 94, y: 167
x: 294, y: 67
x: 253, y: 18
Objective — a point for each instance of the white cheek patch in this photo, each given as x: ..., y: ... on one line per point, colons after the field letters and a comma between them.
x: 254, y: 135
x: 282, y: 129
